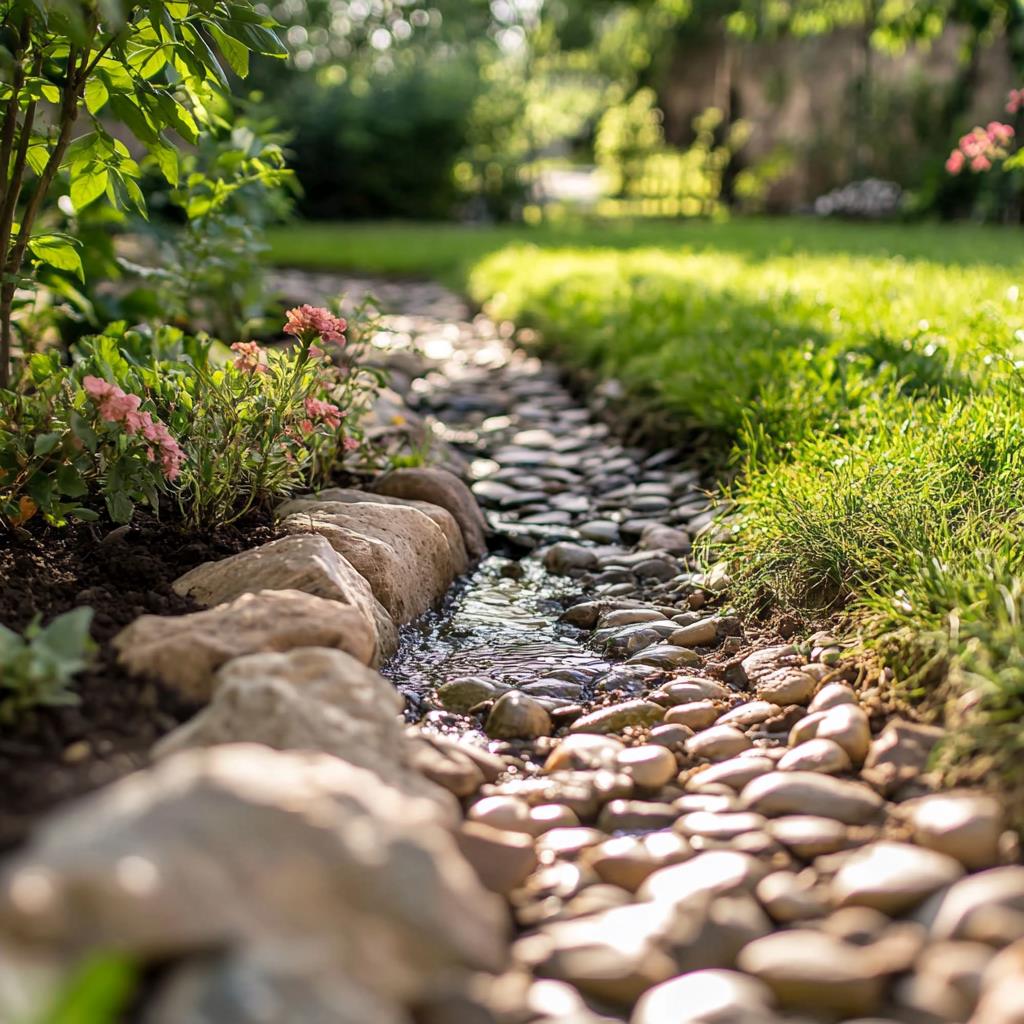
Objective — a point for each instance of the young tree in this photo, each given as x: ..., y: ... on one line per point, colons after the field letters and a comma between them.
x: 68, y: 68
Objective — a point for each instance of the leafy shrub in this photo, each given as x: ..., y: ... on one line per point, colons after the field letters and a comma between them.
x: 146, y: 412
x: 150, y: 67
x: 36, y: 668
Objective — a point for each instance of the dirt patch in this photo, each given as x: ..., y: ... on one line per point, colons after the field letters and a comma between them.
x: 51, y: 754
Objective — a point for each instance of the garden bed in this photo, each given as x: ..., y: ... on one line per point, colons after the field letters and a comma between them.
x: 50, y: 754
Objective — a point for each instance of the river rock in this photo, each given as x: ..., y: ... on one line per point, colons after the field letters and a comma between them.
x: 817, y: 755
x: 566, y: 558
x: 719, y: 743
x: 697, y: 634
x: 847, y: 724
x: 687, y: 689
x: 735, y: 773
x: 700, y: 714
x: 185, y: 651
x: 986, y: 907
x: 304, y: 562
x: 502, y: 859
x: 614, y: 956
x: 252, y: 850
x: 626, y: 861
x: 507, y: 813
x: 964, y: 825
x: 459, y: 695
x: 583, y: 750
x: 892, y: 877
x: 764, y: 662
x: 781, y: 793
x: 517, y: 717
x: 713, y: 873
x: 650, y: 767
x: 812, y: 971
x: 808, y: 836
x: 439, y: 487
x: 947, y: 980
x: 617, y: 717
x: 832, y: 695
x: 667, y: 656
x: 706, y: 997
x: 786, y: 686
x: 900, y: 753
x: 400, y: 551
x: 655, y: 537
x: 460, y: 767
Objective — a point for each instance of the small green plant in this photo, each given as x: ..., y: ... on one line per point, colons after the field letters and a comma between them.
x: 69, y: 435
x: 38, y: 666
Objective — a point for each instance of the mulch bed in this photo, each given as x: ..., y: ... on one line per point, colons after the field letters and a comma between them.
x: 51, y: 754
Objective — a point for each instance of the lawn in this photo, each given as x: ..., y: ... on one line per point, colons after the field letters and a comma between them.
x: 859, y: 389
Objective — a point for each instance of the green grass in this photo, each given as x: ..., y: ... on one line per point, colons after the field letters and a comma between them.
x: 857, y: 385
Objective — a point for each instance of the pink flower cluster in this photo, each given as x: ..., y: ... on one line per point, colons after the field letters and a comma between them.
x: 326, y: 412
x: 1015, y: 101
x: 980, y: 148
x: 251, y: 358
x: 308, y: 322
x: 115, y: 406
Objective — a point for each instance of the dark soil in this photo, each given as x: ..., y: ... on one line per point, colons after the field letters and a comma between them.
x: 51, y: 754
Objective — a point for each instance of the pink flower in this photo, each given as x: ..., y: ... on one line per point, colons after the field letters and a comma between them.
x: 327, y: 412
x: 1000, y: 134
x: 350, y: 444
x: 955, y: 163
x: 981, y: 163
x: 250, y: 357
x: 308, y: 322
x: 1014, y: 101
x: 97, y: 388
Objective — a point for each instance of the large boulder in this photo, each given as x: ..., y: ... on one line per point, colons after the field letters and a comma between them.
x: 439, y: 487
x: 295, y: 863
x: 305, y: 562
x: 441, y: 518
x: 185, y: 651
x: 312, y: 698
x: 401, y: 552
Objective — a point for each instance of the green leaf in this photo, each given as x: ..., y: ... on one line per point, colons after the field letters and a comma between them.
x: 235, y: 53
x: 81, y: 429
x: 86, y: 515
x: 98, y: 992
x: 255, y: 37
x: 120, y: 507
x: 166, y: 157
x: 96, y: 95
x: 70, y: 482
x: 66, y: 640
x: 37, y: 158
x: 128, y: 108
x: 58, y: 251
x: 45, y: 443
x: 88, y: 185
x: 178, y: 117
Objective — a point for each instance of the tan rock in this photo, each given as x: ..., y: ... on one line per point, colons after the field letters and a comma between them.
x: 507, y: 813
x: 439, y: 487
x: 848, y: 725
x: 832, y: 695
x: 986, y: 907
x: 697, y: 634
x: 735, y: 773
x: 808, y: 836
x: 242, y: 848
x: 706, y: 997
x: 708, y: 874
x: 303, y: 562
x: 617, y: 717
x: 328, y: 500
x: 719, y: 743
x: 900, y: 753
x: 964, y: 825
x: 650, y: 767
x: 947, y: 980
x: 185, y: 651
x: 786, y: 686
x: 817, y: 755
x: 516, y: 716
x: 503, y: 860
x: 812, y: 971
x: 790, y: 897
x: 583, y: 750
x: 892, y: 877
x: 687, y: 689
x: 700, y: 714
x: 627, y: 861
x: 401, y: 552
x: 782, y: 793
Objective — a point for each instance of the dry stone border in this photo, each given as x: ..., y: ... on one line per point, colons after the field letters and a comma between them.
x: 696, y: 826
